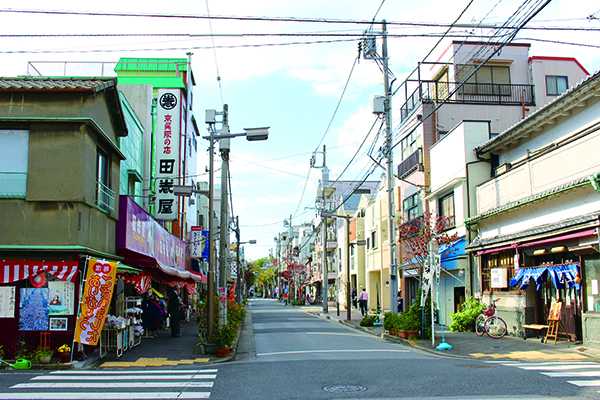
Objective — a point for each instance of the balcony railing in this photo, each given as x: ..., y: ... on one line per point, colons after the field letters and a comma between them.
x: 105, y: 198
x: 468, y: 93
x: 412, y: 163
x: 13, y: 184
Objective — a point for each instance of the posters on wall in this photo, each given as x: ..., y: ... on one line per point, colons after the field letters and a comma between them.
x: 7, y: 302
x: 61, y: 295
x: 58, y: 324
x: 95, y: 303
x: 33, y: 309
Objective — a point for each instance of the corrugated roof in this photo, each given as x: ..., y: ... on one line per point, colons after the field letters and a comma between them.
x: 531, y: 122
x: 55, y: 84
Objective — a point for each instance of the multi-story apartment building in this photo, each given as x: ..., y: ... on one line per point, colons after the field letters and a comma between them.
x: 537, y: 216
x: 503, y: 91
x: 452, y: 200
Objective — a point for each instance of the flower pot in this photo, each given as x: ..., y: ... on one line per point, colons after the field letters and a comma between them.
x: 405, y: 334
x: 222, y: 351
x: 64, y: 356
x: 45, y: 359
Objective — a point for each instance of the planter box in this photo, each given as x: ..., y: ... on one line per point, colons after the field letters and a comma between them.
x: 406, y: 334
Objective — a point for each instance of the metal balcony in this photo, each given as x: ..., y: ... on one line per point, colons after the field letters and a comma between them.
x: 412, y: 163
x: 468, y: 93
x: 105, y: 198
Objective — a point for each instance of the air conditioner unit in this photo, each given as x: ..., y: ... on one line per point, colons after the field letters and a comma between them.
x: 502, y: 168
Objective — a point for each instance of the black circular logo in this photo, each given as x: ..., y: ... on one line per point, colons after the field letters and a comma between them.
x: 168, y: 101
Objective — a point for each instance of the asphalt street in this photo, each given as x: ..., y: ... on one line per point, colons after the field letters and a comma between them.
x: 286, y: 353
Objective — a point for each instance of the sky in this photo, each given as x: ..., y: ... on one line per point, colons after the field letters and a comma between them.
x: 294, y: 89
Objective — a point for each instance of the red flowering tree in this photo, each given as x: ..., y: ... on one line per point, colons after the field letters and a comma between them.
x: 421, y: 238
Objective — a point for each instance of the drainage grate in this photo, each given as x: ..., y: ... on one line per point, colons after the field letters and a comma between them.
x: 344, y: 388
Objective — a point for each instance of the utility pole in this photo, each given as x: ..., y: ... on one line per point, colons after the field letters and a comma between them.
x: 348, y: 297
x: 210, y: 298
x: 325, y: 285
x: 390, y: 174
x: 224, y: 221
x: 239, y: 291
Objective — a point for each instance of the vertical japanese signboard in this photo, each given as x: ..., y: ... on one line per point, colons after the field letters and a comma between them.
x: 168, y: 131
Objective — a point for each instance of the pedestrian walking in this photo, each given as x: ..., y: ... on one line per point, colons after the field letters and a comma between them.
x: 363, y: 300
x: 400, y: 301
x: 174, y: 308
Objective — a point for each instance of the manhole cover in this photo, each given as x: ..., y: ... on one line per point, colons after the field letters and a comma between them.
x: 344, y: 388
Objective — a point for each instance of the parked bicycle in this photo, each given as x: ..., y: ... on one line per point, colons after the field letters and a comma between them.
x: 489, y: 323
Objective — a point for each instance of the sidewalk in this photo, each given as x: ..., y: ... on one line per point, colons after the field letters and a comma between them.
x: 469, y: 345
x: 162, y: 350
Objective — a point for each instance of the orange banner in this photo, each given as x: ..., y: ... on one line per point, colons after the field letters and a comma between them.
x: 95, y: 302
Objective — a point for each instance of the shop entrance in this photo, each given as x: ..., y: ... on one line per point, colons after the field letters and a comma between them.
x: 551, y: 279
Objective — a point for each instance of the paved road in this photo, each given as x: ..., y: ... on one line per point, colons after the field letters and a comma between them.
x: 289, y: 354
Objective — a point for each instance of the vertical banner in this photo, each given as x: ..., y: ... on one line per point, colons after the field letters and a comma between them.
x: 95, y: 302
x: 196, y: 242
x: 168, y: 132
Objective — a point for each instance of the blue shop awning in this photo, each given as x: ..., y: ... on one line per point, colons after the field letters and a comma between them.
x: 561, y: 274
x: 451, y: 253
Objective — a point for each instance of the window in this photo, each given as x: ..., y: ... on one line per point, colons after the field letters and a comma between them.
x: 488, y: 80
x: 592, y: 276
x: 201, y: 220
x: 105, y: 197
x: 556, y: 85
x: 374, y: 239
x: 412, y: 207
x: 14, y: 154
x: 368, y: 243
x: 409, y: 144
x: 446, y: 210
x: 501, y: 260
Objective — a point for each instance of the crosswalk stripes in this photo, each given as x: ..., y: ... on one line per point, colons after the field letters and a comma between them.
x: 572, y: 372
x: 139, y: 384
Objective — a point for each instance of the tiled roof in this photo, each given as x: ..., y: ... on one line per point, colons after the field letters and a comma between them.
x: 532, y: 120
x: 55, y: 84
x: 539, y: 230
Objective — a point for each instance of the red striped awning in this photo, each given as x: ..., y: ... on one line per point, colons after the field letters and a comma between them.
x: 18, y: 270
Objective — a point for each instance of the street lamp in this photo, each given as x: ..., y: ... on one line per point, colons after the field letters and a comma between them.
x: 251, y: 134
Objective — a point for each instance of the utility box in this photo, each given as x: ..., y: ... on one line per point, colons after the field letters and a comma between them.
x: 378, y: 104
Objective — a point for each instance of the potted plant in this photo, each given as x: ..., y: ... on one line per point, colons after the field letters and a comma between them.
x: 43, y: 355
x: 408, y: 322
x: 224, y: 340
x: 64, y: 353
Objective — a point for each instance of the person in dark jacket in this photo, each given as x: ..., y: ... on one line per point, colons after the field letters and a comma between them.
x: 174, y: 309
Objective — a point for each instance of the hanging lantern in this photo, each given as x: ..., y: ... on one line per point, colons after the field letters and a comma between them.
x: 38, y: 280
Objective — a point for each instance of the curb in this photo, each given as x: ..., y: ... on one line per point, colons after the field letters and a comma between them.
x: 431, y: 351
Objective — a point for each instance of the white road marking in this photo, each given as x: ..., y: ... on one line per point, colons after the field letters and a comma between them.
x: 140, y: 371
x: 572, y: 374
x: 105, y: 396
x: 78, y: 385
x: 120, y: 377
x: 560, y: 367
x: 540, y: 364
x: 595, y: 382
x: 333, y: 333
x: 332, y: 351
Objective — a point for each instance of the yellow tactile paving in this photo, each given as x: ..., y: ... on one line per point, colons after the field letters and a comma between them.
x: 153, y: 362
x: 531, y: 356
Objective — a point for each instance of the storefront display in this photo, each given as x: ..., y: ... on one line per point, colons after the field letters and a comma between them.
x: 62, y: 298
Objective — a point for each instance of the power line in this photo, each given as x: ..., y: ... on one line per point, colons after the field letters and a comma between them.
x: 496, y: 48
x: 212, y: 38
x: 339, y: 102
x: 267, y: 19
x: 358, y: 149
